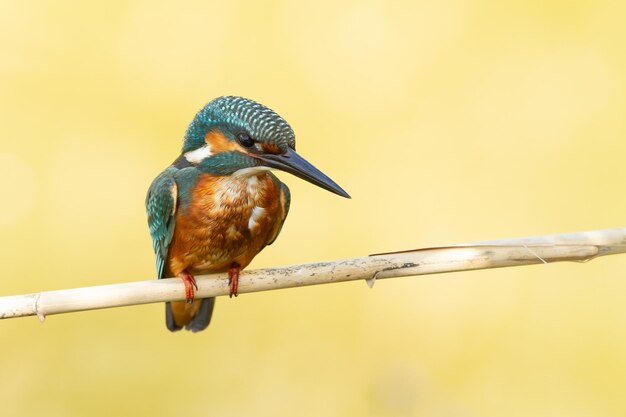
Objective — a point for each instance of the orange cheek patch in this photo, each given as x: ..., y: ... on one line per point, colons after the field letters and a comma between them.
x: 270, y: 148
x: 219, y: 143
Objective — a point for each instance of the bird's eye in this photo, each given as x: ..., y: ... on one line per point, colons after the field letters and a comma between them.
x: 245, y: 140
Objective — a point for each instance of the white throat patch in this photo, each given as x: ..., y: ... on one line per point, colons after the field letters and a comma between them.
x: 246, y: 172
x: 198, y: 155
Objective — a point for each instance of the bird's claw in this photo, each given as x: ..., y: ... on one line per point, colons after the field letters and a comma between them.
x: 190, y: 284
x: 233, y: 279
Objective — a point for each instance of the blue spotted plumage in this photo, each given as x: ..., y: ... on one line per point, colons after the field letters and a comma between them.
x: 218, y: 204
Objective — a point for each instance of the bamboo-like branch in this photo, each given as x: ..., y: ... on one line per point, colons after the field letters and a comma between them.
x: 481, y: 255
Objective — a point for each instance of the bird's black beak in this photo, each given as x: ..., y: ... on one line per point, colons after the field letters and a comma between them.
x: 293, y: 163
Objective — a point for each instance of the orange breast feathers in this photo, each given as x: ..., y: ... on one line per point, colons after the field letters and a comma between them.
x: 229, y: 219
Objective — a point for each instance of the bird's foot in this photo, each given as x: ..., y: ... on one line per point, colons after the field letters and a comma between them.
x: 233, y: 278
x: 190, y: 284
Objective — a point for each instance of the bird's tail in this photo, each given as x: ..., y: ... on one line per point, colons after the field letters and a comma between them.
x: 194, y: 316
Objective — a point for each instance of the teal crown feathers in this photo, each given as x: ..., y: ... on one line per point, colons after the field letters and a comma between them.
x: 234, y: 115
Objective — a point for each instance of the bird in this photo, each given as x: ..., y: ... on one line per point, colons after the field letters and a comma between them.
x: 218, y: 204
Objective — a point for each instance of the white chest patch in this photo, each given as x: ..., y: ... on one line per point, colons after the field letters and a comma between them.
x: 257, y: 212
x: 252, y: 185
x: 232, y: 232
x: 241, y: 193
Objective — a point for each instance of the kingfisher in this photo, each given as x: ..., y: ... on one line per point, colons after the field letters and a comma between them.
x: 218, y: 204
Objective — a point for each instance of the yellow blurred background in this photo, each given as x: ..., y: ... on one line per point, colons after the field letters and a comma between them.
x: 446, y: 121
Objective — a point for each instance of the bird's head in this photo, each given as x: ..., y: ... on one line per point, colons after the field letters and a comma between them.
x: 237, y: 136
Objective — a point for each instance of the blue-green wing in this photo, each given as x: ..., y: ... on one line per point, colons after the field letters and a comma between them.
x: 161, y: 204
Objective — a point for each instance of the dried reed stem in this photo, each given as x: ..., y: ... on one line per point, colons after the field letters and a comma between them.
x: 481, y: 255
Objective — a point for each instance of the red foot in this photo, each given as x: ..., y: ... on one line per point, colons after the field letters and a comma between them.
x: 233, y: 278
x: 190, y: 284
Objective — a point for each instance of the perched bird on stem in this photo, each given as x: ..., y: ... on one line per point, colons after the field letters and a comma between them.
x: 218, y: 204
